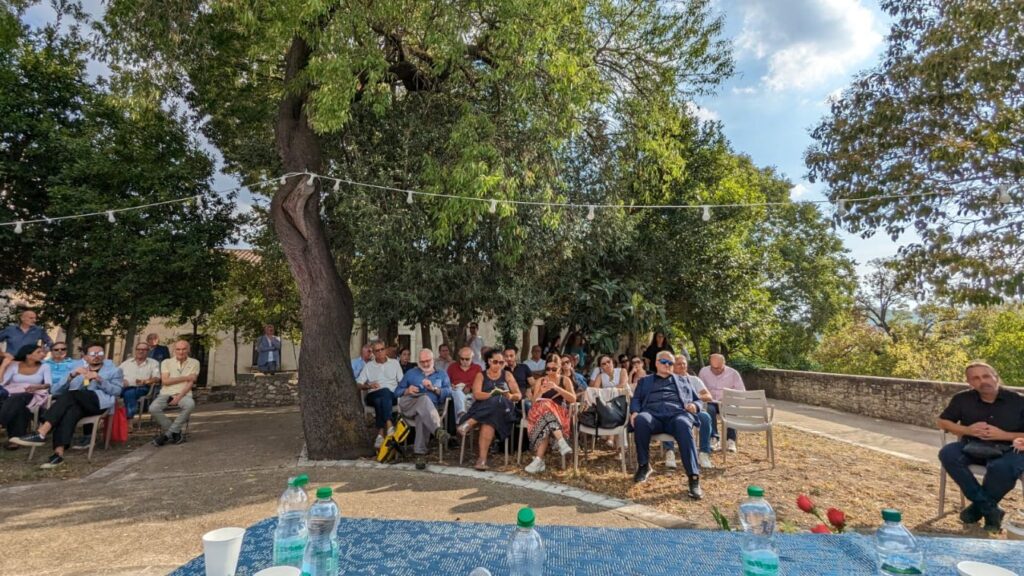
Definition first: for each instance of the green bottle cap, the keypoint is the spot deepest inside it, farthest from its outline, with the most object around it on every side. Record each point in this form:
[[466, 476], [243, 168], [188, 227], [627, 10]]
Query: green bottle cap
[[301, 480], [526, 518], [755, 491], [891, 515], [324, 492]]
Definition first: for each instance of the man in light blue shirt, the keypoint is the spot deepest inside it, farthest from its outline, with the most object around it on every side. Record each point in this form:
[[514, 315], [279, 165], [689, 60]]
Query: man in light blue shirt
[[60, 367], [24, 333], [93, 389], [359, 363], [421, 392]]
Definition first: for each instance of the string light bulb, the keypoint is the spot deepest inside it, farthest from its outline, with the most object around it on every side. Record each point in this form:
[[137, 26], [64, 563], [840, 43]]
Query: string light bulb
[[110, 216], [284, 180], [841, 208], [337, 185], [311, 181], [707, 214], [17, 227], [494, 206], [408, 198], [590, 213], [1004, 194]]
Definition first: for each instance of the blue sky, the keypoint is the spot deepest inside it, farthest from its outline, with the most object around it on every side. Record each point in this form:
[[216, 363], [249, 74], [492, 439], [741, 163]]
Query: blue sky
[[791, 57]]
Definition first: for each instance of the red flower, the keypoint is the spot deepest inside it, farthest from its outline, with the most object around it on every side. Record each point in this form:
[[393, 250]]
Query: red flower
[[821, 529], [804, 503], [836, 517]]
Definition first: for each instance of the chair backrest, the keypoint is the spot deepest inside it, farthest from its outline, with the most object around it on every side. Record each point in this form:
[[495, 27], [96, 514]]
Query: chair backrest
[[749, 406]]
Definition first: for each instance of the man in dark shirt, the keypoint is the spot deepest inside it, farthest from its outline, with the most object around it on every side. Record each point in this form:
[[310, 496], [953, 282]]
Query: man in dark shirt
[[158, 351], [663, 404], [519, 371], [25, 332], [993, 415]]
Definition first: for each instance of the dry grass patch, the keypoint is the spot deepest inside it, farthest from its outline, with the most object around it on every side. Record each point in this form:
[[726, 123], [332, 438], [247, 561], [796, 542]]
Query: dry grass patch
[[16, 469], [857, 480]]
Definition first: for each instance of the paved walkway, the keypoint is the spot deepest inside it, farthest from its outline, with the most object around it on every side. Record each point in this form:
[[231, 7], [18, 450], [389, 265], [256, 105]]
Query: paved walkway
[[143, 514], [904, 440]]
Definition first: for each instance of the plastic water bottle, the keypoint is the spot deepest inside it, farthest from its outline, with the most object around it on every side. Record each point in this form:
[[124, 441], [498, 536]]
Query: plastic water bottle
[[898, 552], [758, 548], [290, 534], [321, 558], [526, 550]]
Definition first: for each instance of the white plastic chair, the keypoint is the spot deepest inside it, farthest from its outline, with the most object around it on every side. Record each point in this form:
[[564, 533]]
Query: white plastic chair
[[748, 411], [618, 432], [106, 420], [976, 469]]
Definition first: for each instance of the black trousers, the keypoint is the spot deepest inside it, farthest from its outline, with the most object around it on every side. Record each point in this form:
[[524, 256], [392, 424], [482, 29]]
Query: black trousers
[[67, 410], [14, 414]]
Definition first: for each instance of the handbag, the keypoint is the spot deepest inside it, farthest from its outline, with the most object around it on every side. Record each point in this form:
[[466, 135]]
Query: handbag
[[985, 449], [587, 418], [611, 413], [119, 427]]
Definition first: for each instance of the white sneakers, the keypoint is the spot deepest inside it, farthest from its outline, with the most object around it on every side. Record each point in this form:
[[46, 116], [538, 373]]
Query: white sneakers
[[536, 466], [716, 445], [704, 459], [563, 447], [391, 430], [378, 442], [670, 459], [732, 445]]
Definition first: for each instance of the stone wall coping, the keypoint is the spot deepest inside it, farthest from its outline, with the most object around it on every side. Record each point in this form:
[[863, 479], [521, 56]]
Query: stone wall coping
[[879, 379]]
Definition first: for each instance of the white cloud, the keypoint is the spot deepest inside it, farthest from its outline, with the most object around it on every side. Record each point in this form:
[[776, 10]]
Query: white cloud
[[703, 114], [798, 190], [744, 91], [805, 43]]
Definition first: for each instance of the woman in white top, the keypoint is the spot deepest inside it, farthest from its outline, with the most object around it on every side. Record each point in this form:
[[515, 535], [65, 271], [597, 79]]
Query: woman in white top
[[28, 382], [607, 375]]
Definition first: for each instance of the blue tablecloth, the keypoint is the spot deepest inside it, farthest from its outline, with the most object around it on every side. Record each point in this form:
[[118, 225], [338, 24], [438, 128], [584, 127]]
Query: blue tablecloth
[[406, 548]]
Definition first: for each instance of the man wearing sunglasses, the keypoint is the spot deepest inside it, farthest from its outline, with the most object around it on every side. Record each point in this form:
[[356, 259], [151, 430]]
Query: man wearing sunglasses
[[379, 379], [664, 404], [703, 417]]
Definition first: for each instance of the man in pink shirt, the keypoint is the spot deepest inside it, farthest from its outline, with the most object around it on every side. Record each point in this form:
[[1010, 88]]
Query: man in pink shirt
[[717, 377]]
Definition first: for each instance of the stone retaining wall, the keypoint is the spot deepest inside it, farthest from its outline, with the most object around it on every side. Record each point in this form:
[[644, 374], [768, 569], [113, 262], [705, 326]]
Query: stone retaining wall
[[265, 390], [911, 401]]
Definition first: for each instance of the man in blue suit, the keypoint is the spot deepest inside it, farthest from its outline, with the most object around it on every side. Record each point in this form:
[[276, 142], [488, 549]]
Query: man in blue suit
[[663, 404]]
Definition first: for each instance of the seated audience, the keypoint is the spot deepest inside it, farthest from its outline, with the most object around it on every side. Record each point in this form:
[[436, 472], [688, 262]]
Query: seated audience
[[157, 351], [718, 377], [27, 382], [476, 344], [462, 375], [379, 379], [519, 371], [139, 373], [92, 391], [421, 393], [703, 417], [177, 377], [60, 367], [636, 370], [575, 345], [551, 396], [989, 421], [495, 392], [663, 404], [607, 375], [365, 355], [269, 349], [405, 360]]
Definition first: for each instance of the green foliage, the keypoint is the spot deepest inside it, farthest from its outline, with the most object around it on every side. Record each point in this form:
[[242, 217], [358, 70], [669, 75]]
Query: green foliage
[[941, 117], [70, 147], [997, 336]]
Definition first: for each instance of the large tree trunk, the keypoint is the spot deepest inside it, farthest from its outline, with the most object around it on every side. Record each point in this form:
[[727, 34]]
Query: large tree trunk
[[70, 333], [332, 416], [234, 343], [129, 342]]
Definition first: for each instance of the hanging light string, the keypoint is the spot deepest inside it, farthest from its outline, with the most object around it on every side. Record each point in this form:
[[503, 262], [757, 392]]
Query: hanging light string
[[841, 204], [109, 213]]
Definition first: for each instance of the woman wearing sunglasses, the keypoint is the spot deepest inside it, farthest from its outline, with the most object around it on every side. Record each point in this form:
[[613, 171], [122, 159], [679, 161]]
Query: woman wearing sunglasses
[[551, 394], [495, 393], [608, 375]]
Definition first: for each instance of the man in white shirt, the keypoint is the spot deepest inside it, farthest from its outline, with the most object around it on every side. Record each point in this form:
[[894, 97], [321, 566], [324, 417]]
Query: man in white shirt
[[476, 343], [140, 372], [718, 377], [378, 379], [536, 363]]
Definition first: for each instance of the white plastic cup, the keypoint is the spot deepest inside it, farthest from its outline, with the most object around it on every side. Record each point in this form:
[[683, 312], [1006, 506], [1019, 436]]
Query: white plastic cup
[[221, 548], [279, 571]]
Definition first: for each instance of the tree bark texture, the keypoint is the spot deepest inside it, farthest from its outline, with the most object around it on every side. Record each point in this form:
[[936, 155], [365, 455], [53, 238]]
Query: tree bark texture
[[332, 415], [424, 338]]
